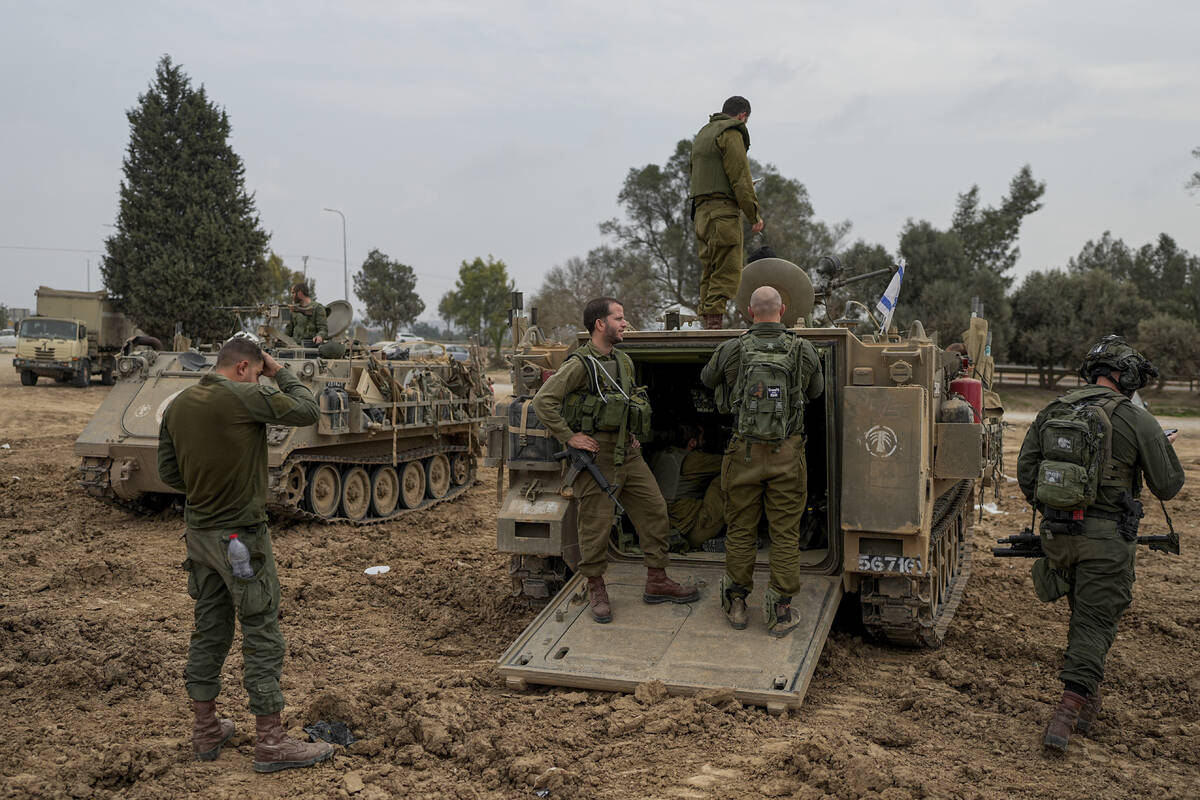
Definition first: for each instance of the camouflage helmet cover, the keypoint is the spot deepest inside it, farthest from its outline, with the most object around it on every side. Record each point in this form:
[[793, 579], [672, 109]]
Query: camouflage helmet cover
[[1114, 352]]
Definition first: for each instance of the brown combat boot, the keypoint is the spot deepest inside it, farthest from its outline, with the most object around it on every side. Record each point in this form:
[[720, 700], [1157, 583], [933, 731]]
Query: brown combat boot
[[208, 732], [1058, 729], [275, 750], [784, 620], [1092, 704], [712, 322], [661, 589], [598, 600]]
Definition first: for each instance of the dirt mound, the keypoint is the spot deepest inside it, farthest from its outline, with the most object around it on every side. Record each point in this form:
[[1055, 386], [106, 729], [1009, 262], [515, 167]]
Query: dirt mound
[[94, 622]]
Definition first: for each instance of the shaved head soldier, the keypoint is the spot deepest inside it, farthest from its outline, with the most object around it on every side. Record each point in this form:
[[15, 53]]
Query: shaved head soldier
[[721, 190]]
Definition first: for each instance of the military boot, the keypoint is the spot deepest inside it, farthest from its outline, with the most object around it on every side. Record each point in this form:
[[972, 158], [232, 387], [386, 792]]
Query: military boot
[[1087, 715], [1058, 729], [598, 600], [208, 732], [275, 750], [661, 589], [733, 601], [712, 322], [779, 615]]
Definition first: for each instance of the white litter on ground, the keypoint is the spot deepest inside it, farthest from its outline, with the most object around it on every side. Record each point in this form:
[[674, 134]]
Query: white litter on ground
[[378, 570], [992, 508]]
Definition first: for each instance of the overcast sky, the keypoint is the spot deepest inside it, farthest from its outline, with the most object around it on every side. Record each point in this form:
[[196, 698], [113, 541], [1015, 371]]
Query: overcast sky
[[449, 130]]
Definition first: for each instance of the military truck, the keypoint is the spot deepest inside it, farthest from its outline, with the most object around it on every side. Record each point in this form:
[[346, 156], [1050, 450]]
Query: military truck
[[896, 455], [393, 436], [73, 336]]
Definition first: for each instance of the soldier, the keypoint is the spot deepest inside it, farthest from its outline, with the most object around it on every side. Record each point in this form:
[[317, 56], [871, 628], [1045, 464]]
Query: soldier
[[696, 509], [591, 404], [308, 317], [1087, 494], [720, 188], [213, 448], [764, 378]]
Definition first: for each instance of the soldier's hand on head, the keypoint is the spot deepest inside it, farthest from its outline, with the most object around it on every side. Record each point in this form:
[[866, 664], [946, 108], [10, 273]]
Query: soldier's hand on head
[[581, 441], [270, 365], [757, 227], [318, 338]]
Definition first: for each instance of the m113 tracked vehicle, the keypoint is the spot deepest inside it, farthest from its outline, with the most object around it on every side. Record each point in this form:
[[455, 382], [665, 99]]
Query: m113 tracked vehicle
[[900, 444], [393, 435]]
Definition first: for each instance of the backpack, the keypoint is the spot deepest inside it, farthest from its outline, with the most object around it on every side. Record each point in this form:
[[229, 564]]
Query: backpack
[[1076, 437], [764, 400]]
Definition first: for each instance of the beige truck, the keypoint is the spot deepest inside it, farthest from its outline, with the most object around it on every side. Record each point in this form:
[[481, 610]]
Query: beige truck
[[73, 336]]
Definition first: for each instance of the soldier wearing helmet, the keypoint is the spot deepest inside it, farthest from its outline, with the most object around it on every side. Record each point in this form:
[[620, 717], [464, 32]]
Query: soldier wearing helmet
[[1090, 548]]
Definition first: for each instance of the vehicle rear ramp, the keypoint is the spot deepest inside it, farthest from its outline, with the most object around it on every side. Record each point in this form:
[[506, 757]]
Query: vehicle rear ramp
[[689, 648]]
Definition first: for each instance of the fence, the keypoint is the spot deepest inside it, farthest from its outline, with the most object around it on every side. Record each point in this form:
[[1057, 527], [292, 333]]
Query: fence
[[1026, 375]]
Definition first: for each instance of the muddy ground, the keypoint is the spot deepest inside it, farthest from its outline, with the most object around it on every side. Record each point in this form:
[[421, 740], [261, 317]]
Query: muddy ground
[[94, 620]]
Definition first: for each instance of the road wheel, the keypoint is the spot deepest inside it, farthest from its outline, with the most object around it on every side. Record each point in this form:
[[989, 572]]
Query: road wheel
[[293, 486], [28, 377], [437, 473], [412, 484], [324, 492], [385, 491], [83, 378], [356, 493], [460, 468]]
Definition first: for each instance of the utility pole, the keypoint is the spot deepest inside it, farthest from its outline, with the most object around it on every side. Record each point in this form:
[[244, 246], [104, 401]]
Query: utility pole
[[345, 263], [305, 260]]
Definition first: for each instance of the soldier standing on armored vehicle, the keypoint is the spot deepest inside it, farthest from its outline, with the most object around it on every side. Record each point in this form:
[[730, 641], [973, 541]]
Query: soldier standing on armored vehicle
[[308, 317], [764, 378], [590, 403], [213, 448], [1081, 465], [721, 190]]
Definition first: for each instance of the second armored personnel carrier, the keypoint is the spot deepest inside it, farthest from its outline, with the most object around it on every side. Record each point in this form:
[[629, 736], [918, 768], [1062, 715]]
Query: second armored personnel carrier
[[392, 436], [898, 448]]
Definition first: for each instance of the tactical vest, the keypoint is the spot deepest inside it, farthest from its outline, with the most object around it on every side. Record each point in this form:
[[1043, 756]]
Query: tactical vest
[[1076, 433], [304, 326], [610, 402], [708, 168], [765, 399]]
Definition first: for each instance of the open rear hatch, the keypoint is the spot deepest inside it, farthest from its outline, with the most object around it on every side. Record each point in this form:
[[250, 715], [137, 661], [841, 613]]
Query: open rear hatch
[[690, 648]]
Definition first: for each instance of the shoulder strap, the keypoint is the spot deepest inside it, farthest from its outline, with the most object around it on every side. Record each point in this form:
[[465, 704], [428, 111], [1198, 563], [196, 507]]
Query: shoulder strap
[[1111, 473]]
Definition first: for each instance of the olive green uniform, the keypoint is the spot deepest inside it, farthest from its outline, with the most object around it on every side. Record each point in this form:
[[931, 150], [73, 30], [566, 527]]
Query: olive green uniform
[[619, 461], [1094, 568], [721, 189], [308, 326], [698, 509], [770, 475], [213, 447]]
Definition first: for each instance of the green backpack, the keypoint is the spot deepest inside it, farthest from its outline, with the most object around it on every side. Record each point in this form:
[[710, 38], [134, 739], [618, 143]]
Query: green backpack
[[763, 397], [1076, 439]]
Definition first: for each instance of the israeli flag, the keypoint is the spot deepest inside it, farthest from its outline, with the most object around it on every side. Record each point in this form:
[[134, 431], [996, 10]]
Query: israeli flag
[[887, 304]]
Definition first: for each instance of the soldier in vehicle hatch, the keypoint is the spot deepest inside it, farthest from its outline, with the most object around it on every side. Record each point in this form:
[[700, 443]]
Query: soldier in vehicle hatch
[[591, 404], [213, 448], [764, 378], [720, 191], [308, 317], [1081, 465]]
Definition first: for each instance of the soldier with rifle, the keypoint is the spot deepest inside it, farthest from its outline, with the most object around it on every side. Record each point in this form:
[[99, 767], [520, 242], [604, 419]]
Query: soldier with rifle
[[1082, 465], [590, 404]]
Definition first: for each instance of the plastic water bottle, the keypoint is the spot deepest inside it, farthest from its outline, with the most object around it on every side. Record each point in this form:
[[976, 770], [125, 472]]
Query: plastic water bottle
[[239, 558]]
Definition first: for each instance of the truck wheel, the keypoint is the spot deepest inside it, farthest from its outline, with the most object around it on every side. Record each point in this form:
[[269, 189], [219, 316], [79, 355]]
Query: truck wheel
[[83, 378], [106, 376], [28, 377]]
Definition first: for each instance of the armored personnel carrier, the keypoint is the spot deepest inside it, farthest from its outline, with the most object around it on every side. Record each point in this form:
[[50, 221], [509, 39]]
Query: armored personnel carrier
[[393, 436], [898, 447]]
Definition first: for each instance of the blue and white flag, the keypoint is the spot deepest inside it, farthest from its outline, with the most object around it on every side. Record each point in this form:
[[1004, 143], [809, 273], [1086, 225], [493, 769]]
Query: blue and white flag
[[887, 304]]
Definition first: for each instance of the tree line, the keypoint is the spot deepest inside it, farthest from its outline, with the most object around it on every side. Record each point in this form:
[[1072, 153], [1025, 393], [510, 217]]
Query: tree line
[[188, 240]]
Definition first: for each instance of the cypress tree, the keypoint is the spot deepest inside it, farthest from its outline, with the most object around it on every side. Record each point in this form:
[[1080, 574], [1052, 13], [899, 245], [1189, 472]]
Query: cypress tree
[[188, 237]]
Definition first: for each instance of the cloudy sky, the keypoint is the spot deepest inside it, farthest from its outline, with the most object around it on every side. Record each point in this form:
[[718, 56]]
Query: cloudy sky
[[447, 130]]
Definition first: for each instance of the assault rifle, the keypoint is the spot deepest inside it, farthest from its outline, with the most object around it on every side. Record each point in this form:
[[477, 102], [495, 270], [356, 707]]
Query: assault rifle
[[1028, 544], [579, 460]]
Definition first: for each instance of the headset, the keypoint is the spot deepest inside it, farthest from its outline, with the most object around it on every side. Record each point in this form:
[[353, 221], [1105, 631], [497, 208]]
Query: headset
[[1114, 352]]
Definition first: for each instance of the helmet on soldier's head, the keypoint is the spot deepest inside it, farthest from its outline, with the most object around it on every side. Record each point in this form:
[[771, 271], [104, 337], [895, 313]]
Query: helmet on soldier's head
[[1112, 352]]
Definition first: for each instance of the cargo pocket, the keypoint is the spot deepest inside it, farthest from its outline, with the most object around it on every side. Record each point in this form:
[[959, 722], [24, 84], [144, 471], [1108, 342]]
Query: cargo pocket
[[193, 588], [1048, 583], [257, 595], [723, 231]]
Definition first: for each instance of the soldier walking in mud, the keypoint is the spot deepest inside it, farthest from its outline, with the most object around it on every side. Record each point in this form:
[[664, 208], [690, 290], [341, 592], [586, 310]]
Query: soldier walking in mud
[[213, 448], [720, 191], [1081, 465], [591, 404], [764, 378]]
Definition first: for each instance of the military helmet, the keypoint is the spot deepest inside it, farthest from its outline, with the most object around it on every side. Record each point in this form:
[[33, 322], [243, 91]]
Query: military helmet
[[1114, 352]]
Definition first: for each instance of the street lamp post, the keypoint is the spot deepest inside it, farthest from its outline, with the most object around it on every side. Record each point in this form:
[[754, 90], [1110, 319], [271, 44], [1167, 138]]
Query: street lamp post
[[345, 263]]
